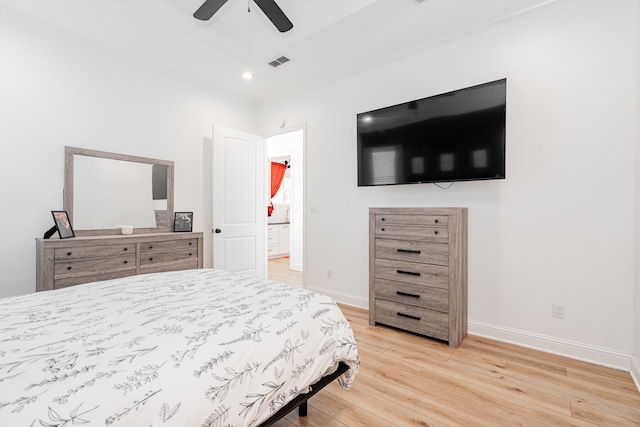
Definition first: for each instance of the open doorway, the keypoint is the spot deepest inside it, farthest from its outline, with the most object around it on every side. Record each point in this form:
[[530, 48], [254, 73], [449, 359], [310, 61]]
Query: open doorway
[[285, 232]]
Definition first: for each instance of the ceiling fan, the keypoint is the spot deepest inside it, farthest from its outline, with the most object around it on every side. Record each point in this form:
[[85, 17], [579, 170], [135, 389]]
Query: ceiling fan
[[269, 7]]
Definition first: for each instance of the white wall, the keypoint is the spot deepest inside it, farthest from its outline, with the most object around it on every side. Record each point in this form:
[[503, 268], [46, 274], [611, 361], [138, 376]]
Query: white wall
[[58, 89], [557, 230]]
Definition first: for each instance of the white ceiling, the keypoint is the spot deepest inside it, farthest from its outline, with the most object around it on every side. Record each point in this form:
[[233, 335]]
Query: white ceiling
[[330, 38]]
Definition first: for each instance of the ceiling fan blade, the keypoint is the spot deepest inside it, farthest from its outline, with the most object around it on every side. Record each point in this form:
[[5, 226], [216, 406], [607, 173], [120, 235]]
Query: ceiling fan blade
[[208, 9], [275, 14]]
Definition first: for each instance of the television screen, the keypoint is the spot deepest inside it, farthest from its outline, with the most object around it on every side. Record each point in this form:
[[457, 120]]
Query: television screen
[[454, 136]]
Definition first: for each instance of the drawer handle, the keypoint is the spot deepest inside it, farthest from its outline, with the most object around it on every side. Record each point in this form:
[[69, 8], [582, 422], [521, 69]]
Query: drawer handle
[[190, 243], [436, 232], [126, 249], [69, 253], [151, 259], [150, 247], [437, 221], [411, 273], [404, 294], [125, 261], [68, 267], [190, 254], [381, 219], [382, 229], [408, 316], [409, 251]]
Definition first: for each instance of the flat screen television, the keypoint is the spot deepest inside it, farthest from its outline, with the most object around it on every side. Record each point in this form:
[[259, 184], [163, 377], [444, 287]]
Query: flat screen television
[[454, 136]]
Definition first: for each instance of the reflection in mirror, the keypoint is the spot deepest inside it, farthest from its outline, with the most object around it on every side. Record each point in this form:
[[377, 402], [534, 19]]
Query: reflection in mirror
[[110, 193], [104, 191]]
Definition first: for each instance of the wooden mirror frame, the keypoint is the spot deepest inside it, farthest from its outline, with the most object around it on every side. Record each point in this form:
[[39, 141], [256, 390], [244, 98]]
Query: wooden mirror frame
[[69, 155]]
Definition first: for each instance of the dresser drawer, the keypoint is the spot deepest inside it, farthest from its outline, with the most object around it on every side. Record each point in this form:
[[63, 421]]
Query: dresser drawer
[[173, 266], [420, 296], [435, 276], [413, 251], [80, 252], [433, 234], [411, 318], [88, 266], [70, 281], [165, 257], [403, 219], [168, 245]]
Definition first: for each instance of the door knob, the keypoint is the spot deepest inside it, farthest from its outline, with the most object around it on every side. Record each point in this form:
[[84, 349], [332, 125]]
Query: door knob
[[218, 231]]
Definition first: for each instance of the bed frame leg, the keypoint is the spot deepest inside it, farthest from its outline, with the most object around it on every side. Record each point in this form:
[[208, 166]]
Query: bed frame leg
[[302, 409]]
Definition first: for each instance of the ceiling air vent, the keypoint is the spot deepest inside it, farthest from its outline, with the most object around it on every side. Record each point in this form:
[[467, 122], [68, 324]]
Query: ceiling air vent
[[278, 61]]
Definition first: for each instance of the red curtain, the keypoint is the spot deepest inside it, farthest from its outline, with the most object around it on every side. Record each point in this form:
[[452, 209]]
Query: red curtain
[[277, 175]]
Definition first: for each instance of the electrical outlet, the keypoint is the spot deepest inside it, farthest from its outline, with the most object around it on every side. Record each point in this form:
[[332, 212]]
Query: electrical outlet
[[558, 311], [329, 274]]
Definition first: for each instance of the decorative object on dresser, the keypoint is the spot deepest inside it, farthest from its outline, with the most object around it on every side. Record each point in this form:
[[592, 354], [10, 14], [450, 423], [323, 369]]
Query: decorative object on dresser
[[62, 263], [61, 224], [418, 271], [183, 222]]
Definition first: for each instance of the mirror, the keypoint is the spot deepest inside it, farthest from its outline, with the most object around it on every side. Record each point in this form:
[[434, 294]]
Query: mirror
[[104, 191]]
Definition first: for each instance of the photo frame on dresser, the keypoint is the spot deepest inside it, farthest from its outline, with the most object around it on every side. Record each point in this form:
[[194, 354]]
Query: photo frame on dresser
[[63, 224], [183, 222]]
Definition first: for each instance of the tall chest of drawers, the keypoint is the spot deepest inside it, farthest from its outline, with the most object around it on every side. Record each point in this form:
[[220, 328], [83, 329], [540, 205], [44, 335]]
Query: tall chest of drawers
[[68, 262], [418, 271]]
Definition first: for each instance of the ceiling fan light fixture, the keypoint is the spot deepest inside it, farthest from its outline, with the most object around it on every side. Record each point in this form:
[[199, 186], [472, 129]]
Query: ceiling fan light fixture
[[269, 7]]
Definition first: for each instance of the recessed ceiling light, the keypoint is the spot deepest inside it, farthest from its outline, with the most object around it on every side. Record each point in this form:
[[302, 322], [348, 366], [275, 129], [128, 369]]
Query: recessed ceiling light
[[247, 75]]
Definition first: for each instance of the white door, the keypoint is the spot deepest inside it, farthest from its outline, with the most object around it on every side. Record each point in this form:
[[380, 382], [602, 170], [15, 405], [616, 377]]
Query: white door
[[239, 202]]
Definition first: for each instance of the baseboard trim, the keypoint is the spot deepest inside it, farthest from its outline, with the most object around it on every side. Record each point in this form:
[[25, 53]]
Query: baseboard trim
[[574, 350], [339, 297], [635, 370]]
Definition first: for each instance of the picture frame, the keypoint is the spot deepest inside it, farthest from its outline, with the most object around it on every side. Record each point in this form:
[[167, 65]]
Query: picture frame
[[183, 222], [63, 224]]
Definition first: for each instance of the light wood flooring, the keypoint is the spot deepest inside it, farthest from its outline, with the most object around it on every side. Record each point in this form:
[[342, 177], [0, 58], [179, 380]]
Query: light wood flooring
[[279, 270], [407, 380]]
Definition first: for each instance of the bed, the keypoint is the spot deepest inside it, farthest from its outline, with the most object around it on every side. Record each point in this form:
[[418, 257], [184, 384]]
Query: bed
[[190, 348]]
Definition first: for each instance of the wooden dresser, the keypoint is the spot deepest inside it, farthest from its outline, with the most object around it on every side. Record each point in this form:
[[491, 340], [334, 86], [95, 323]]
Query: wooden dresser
[[418, 271], [68, 262]]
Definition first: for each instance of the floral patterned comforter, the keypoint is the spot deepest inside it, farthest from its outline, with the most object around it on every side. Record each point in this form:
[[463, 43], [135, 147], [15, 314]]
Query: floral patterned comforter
[[191, 348]]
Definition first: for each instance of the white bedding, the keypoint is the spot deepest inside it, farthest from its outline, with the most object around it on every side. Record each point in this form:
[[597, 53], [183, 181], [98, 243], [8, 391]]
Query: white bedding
[[191, 348]]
